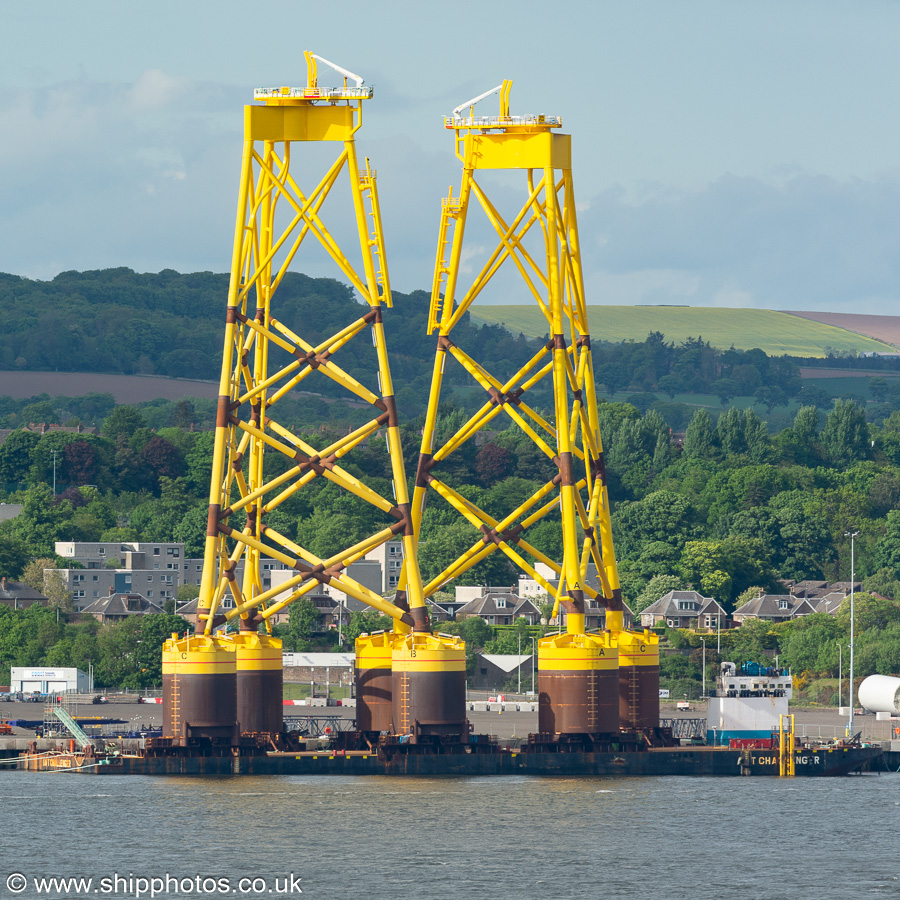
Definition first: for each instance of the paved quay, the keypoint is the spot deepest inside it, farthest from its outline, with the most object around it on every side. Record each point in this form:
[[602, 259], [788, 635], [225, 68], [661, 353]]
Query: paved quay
[[505, 724]]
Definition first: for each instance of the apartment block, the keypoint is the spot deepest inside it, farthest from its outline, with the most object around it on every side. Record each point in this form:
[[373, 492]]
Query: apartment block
[[390, 556]]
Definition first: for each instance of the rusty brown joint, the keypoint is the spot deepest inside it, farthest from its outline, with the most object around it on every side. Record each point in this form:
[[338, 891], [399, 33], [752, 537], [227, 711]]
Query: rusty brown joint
[[423, 470], [212, 520], [573, 604], [223, 408], [401, 601], [420, 621], [391, 409], [566, 470], [601, 468], [512, 535], [405, 509]]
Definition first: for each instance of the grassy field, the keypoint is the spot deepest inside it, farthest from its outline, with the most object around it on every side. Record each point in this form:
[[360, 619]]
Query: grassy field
[[294, 691], [773, 332]]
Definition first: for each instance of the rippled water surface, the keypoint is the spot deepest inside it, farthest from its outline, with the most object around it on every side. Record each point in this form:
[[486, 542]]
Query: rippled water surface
[[498, 839]]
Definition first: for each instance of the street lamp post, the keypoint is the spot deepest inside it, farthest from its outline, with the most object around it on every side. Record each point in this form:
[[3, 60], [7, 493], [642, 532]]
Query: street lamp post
[[519, 666], [851, 535], [840, 676], [703, 641]]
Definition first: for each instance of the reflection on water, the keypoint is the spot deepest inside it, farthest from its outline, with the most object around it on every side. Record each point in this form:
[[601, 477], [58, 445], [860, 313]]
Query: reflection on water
[[491, 838]]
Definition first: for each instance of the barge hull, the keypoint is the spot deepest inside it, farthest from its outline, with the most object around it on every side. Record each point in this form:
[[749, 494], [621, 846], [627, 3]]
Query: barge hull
[[662, 762]]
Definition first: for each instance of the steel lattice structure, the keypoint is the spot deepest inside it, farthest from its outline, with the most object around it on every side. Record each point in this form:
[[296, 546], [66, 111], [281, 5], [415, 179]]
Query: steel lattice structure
[[264, 359], [553, 280]]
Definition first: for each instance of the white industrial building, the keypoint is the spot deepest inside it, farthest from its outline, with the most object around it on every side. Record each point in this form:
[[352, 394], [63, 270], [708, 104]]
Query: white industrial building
[[48, 681]]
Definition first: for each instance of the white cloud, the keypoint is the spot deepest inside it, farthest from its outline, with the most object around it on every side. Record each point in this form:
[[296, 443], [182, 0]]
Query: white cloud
[[114, 174], [144, 174], [801, 242], [154, 89]]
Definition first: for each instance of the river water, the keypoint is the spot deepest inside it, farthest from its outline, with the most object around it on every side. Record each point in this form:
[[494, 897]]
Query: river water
[[492, 838]]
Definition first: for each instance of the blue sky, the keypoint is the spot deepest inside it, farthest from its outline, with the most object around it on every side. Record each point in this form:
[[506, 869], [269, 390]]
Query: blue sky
[[725, 153]]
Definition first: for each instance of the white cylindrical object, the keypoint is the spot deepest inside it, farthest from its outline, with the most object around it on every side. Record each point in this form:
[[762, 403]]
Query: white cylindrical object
[[880, 693]]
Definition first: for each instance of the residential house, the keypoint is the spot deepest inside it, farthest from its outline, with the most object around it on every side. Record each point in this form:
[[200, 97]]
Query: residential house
[[816, 589], [18, 595], [830, 603], [774, 608], [805, 597], [685, 609], [500, 606], [118, 607]]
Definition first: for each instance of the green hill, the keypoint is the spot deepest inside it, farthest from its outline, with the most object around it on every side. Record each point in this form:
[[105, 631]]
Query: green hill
[[773, 332]]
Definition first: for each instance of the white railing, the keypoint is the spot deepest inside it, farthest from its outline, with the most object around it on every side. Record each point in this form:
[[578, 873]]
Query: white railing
[[501, 121], [308, 93]]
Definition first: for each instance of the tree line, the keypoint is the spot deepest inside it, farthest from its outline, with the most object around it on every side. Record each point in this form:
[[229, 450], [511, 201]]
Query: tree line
[[171, 324], [733, 508]]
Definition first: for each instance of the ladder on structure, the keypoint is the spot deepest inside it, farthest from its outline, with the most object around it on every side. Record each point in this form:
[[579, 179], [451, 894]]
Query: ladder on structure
[[786, 760], [450, 209], [406, 725], [175, 708], [369, 189], [634, 698], [74, 729]]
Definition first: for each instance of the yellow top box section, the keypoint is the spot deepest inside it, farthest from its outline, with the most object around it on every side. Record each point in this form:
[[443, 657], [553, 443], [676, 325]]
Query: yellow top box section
[[512, 150], [298, 123]]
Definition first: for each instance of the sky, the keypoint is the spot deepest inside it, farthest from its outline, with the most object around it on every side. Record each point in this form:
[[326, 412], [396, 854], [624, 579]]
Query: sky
[[741, 153]]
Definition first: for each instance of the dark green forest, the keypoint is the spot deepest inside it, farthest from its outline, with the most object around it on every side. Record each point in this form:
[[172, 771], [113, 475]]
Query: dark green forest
[[171, 324]]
